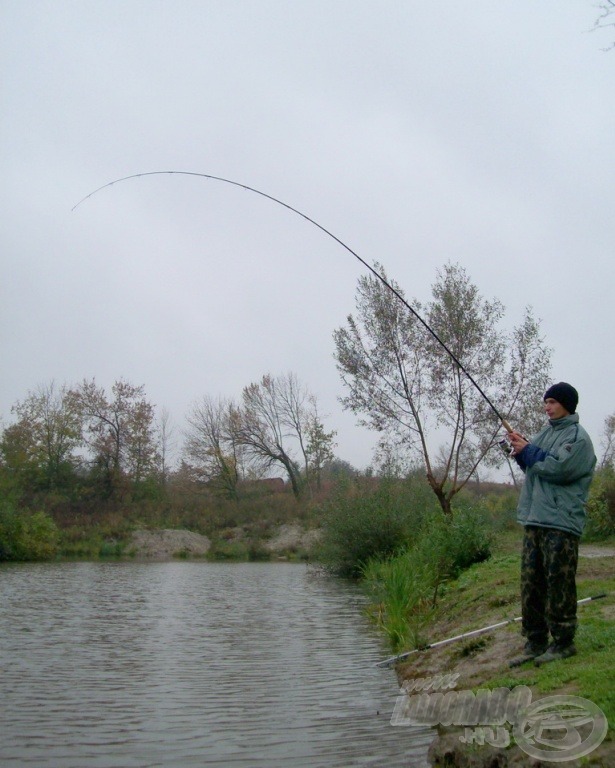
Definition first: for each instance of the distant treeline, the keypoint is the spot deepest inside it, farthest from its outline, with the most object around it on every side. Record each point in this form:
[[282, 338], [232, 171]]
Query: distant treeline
[[80, 442]]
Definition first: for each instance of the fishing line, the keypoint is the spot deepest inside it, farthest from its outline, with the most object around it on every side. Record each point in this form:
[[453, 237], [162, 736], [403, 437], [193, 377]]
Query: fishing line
[[374, 272]]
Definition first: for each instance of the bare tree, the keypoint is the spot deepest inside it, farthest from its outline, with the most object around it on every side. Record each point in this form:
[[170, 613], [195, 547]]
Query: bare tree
[[212, 444], [273, 426], [166, 445], [608, 442], [606, 18], [402, 383]]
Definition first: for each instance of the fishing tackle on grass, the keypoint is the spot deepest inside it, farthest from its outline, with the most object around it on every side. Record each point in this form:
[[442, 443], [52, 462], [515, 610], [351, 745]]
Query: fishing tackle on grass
[[396, 293], [400, 657]]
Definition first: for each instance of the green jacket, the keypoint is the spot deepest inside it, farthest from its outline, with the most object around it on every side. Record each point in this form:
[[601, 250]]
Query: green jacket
[[558, 464]]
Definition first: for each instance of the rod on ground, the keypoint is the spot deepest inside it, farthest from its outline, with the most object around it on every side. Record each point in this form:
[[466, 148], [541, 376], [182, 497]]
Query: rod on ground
[[400, 657]]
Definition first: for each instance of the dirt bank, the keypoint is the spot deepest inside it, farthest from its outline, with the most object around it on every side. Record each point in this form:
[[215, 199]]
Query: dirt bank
[[292, 538], [166, 543]]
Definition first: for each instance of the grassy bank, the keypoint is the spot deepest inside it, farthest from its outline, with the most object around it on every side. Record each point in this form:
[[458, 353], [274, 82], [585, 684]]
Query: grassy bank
[[488, 593]]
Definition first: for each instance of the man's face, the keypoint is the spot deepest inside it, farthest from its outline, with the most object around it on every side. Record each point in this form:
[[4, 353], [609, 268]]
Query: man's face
[[555, 410]]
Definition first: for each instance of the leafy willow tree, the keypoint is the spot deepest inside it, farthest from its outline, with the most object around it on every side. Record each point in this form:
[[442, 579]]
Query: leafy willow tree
[[40, 447], [403, 384]]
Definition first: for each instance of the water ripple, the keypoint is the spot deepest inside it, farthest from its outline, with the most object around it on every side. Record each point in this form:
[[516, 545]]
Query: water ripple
[[192, 664]]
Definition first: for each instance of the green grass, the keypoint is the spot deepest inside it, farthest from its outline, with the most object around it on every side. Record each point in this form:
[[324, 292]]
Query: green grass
[[486, 590], [589, 674], [401, 598], [489, 592]]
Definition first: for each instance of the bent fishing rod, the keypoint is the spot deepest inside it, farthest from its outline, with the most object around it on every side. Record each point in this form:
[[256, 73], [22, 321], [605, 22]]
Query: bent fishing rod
[[400, 657], [374, 272]]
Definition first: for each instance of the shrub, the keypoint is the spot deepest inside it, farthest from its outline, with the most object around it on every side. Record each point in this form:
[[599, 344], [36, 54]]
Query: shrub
[[222, 549], [448, 545], [405, 586], [501, 506], [26, 535], [369, 522], [111, 548], [601, 505]]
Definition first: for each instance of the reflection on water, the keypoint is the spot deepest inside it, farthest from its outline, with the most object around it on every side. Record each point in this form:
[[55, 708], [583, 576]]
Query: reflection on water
[[192, 664]]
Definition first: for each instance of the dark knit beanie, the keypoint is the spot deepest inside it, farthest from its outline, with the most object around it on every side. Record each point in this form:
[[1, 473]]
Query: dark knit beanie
[[565, 394]]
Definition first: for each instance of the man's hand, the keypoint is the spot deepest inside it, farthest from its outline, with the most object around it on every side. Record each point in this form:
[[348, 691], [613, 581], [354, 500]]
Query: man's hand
[[517, 441]]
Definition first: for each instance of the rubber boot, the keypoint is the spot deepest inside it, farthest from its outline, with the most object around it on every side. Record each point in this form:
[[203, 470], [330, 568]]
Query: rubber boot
[[530, 651], [555, 652]]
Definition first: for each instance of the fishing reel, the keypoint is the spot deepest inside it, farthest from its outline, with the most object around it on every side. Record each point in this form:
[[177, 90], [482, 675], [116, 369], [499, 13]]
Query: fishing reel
[[506, 447]]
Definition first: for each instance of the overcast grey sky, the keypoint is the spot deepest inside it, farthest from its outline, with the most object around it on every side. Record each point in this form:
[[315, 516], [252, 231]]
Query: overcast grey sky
[[418, 132]]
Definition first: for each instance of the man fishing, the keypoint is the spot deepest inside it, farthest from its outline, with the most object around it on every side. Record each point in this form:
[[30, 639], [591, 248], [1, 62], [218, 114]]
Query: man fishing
[[558, 464]]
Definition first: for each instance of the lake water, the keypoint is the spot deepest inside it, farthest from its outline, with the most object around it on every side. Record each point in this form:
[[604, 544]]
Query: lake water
[[193, 664]]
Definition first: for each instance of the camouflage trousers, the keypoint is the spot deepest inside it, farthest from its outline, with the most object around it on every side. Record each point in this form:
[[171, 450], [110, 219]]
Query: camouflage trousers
[[548, 585]]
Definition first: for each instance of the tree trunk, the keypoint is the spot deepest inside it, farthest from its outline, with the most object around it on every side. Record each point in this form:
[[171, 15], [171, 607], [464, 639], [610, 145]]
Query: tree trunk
[[444, 499]]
